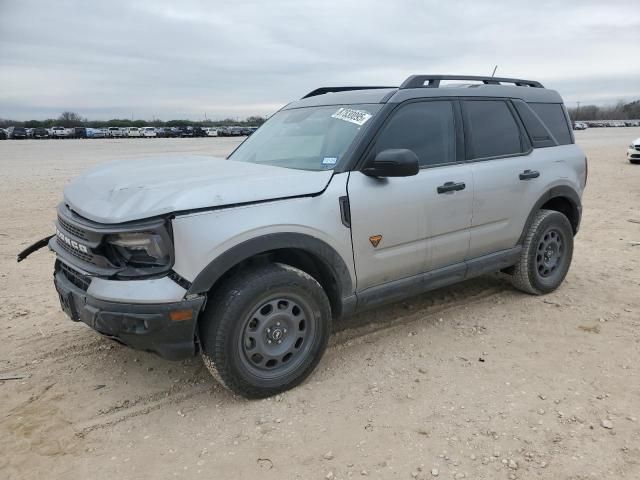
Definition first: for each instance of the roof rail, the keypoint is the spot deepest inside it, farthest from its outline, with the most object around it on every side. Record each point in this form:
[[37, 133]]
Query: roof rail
[[323, 90], [433, 81]]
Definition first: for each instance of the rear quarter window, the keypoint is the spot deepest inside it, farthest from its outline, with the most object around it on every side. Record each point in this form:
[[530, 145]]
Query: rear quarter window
[[552, 114]]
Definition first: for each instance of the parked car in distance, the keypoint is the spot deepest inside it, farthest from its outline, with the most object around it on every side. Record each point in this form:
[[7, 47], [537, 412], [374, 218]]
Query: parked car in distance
[[249, 259], [164, 132], [199, 132], [79, 132], [17, 133], [95, 133], [117, 132], [40, 132], [185, 131], [134, 132], [61, 132], [633, 152], [148, 132]]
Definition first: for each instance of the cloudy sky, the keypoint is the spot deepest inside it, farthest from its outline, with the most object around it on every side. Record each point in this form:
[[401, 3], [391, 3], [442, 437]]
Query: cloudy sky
[[185, 59]]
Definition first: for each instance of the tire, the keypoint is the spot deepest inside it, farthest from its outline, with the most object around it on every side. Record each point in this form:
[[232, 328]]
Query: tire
[[546, 254], [265, 330]]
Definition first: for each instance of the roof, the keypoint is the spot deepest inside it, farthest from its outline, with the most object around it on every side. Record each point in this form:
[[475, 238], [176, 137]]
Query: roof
[[428, 86]]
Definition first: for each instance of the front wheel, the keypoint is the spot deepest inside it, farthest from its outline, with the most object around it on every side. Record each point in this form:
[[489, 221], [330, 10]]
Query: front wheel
[[265, 330], [546, 254]]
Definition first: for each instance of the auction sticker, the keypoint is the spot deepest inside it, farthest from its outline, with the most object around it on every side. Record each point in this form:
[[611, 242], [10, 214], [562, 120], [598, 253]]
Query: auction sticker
[[359, 117]]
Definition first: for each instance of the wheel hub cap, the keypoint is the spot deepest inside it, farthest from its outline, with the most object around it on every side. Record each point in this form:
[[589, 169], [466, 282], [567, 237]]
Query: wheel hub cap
[[276, 334], [550, 252]]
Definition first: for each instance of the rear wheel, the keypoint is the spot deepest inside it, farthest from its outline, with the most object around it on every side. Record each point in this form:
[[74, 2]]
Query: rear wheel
[[546, 254], [265, 330]]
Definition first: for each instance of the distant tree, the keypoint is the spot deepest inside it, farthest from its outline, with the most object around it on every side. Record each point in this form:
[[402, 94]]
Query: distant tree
[[71, 119]]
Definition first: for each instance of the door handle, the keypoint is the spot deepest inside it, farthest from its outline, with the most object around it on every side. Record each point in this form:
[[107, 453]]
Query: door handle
[[529, 174], [451, 187]]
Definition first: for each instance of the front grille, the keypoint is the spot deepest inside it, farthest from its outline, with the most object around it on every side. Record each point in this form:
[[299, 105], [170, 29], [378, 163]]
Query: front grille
[[78, 232], [76, 253], [78, 279]]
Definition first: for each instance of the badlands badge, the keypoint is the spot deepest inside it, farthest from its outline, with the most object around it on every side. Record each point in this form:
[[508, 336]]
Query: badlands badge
[[375, 240]]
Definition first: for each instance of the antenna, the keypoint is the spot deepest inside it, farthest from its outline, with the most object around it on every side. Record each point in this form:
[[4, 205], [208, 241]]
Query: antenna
[[494, 70]]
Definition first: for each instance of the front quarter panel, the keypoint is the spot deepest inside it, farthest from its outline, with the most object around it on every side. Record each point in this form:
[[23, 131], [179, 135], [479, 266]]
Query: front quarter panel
[[202, 237]]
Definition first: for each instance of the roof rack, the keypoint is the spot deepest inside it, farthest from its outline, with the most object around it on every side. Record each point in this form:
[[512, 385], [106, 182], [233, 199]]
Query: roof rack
[[433, 81], [323, 90]]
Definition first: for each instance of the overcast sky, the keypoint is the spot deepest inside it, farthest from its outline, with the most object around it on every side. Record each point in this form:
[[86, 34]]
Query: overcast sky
[[182, 59]]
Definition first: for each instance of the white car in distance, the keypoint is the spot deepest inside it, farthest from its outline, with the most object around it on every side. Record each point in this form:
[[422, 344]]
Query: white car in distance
[[134, 132], [148, 132]]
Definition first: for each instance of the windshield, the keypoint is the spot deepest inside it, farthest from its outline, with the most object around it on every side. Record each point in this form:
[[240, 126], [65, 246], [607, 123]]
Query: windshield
[[311, 138]]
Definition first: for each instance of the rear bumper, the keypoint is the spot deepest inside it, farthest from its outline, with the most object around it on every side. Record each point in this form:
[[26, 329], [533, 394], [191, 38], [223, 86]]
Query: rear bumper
[[140, 326]]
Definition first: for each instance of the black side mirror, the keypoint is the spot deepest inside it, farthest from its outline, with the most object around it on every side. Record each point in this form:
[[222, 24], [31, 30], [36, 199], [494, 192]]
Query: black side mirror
[[394, 162]]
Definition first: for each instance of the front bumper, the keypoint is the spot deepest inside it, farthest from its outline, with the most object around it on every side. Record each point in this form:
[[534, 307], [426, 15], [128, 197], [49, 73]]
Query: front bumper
[[140, 326]]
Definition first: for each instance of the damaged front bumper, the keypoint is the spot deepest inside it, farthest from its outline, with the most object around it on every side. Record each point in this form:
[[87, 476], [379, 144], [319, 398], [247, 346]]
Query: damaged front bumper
[[168, 329]]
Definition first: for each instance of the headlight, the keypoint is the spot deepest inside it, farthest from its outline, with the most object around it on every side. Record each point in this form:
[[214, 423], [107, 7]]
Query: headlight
[[141, 249]]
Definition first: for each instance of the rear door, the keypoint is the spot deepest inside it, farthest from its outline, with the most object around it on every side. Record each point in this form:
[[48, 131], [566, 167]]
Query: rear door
[[402, 227], [503, 172]]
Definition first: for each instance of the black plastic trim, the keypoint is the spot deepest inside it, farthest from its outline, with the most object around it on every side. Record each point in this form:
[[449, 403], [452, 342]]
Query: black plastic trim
[[323, 90], [441, 277], [275, 241], [561, 191], [140, 326], [418, 81]]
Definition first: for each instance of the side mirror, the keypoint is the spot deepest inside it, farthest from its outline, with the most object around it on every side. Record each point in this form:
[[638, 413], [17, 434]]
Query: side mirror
[[395, 162]]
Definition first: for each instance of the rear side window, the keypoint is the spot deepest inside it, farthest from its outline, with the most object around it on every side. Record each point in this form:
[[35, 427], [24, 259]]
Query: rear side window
[[426, 128], [553, 116], [491, 129], [538, 133]]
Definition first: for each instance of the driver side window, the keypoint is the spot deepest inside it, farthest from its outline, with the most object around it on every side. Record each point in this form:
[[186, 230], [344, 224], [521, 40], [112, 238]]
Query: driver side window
[[426, 128]]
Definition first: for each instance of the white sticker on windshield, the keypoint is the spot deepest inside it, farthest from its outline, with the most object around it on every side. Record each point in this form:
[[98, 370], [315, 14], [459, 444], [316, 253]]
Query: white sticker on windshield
[[359, 117]]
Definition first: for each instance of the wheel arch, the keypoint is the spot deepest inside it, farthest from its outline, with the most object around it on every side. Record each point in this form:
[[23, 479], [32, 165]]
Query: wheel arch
[[301, 251], [563, 199]]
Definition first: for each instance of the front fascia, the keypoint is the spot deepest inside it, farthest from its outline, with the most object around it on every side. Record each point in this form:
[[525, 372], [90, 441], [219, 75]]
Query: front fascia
[[200, 238]]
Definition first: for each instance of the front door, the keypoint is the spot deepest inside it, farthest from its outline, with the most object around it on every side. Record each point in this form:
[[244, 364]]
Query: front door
[[402, 227]]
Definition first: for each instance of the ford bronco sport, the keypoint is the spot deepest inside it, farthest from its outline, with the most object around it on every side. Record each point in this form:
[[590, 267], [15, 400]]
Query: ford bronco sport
[[346, 199]]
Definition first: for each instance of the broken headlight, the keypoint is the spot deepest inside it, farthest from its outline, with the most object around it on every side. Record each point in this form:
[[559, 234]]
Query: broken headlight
[[141, 250]]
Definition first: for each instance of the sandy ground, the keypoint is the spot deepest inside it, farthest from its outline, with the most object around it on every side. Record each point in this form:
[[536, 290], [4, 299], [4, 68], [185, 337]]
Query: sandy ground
[[476, 381]]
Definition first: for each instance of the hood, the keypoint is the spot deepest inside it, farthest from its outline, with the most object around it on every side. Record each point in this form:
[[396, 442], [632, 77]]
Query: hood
[[127, 190]]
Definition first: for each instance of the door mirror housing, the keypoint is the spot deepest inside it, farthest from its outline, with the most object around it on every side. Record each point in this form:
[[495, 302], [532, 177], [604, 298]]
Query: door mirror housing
[[394, 162]]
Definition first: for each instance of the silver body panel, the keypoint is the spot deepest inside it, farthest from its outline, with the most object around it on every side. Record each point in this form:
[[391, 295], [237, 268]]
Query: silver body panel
[[202, 237], [128, 190]]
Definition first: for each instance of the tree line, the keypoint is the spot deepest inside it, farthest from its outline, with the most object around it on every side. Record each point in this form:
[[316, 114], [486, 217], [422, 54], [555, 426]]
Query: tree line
[[73, 119], [619, 111]]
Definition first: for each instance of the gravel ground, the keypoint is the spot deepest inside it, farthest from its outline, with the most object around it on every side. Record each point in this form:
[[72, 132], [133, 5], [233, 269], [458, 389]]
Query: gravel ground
[[474, 381]]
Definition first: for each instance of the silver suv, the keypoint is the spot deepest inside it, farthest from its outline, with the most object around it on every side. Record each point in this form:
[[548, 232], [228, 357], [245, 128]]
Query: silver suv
[[344, 200]]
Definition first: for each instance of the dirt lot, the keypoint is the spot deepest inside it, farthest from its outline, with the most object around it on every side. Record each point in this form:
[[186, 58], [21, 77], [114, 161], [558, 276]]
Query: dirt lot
[[477, 381]]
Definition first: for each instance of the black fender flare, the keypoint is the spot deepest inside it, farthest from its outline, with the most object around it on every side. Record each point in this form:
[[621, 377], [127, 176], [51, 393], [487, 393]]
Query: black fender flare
[[274, 241], [554, 192]]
